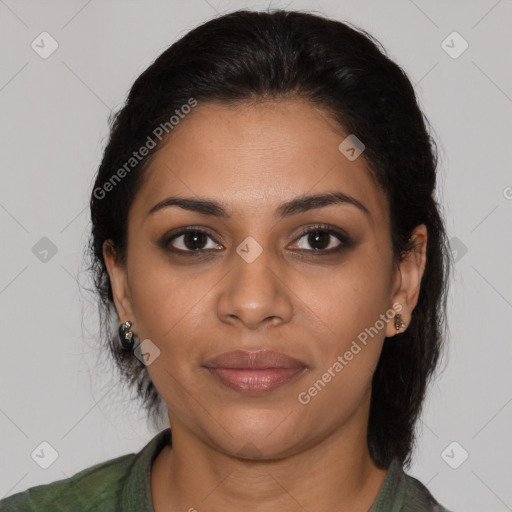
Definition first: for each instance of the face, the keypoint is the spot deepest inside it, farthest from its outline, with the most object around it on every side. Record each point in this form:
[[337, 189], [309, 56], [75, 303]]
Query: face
[[262, 269]]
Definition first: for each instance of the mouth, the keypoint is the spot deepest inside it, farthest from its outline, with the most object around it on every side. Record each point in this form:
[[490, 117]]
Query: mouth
[[254, 372]]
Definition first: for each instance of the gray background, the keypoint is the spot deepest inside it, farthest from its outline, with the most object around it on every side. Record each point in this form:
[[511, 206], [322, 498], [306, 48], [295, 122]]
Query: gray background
[[55, 384]]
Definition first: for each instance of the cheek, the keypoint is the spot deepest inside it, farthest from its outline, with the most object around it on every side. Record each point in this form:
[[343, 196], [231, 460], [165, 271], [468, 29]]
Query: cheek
[[347, 359], [161, 294], [353, 306], [173, 307], [351, 298]]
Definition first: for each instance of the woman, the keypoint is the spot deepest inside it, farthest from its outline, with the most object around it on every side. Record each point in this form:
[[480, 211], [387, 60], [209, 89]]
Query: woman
[[265, 233]]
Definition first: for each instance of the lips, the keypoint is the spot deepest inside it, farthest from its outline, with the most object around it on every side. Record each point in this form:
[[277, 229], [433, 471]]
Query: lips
[[254, 372]]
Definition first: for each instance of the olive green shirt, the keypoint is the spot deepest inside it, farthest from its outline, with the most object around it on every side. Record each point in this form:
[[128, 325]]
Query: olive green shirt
[[124, 484]]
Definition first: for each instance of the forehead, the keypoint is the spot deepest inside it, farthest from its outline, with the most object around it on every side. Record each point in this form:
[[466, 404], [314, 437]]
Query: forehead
[[252, 157]]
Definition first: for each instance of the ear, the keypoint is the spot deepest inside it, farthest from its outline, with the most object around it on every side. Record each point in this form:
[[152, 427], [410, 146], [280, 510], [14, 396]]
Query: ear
[[408, 276], [119, 282]]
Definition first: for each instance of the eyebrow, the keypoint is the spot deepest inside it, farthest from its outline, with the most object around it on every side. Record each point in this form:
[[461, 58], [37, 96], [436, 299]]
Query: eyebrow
[[295, 206]]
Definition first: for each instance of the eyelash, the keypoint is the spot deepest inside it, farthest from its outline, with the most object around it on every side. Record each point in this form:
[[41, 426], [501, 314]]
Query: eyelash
[[343, 238]]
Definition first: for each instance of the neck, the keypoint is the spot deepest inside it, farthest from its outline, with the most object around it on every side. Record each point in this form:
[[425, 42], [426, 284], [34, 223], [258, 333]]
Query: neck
[[335, 473]]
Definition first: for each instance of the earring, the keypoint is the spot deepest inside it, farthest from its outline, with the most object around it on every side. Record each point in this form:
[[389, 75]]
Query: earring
[[399, 323], [126, 336]]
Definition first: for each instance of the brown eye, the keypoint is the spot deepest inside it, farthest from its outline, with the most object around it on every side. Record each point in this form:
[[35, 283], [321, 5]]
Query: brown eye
[[191, 240], [321, 239], [194, 241]]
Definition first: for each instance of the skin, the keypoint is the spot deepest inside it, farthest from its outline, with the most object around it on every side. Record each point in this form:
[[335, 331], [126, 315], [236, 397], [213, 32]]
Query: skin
[[251, 158]]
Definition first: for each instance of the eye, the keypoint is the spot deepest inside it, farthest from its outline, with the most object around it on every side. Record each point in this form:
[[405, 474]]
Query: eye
[[191, 240], [322, 239]]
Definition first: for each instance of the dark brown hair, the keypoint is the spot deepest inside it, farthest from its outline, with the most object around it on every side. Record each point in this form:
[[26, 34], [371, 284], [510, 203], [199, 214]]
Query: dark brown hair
[[247, 56]]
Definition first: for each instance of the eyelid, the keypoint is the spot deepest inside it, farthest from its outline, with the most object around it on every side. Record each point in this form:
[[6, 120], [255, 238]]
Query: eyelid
[[341, 233]]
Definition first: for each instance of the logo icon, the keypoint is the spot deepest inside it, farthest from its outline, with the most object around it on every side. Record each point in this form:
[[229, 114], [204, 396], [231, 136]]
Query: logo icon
[[44, 455], [351, 147], [249, 249], [146, 352], [458, 248], [454, 45], [454, 455], [44, 250], [44, 45]]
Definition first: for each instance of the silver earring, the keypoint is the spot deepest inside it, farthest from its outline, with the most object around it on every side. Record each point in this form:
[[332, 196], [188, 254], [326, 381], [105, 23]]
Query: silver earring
[[126, 336], [399, 323]]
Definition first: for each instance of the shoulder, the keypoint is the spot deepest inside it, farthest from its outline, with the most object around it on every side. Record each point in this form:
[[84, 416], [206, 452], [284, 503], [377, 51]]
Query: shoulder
[[95, 488], [401, 492], [417, 498], [121, 484]]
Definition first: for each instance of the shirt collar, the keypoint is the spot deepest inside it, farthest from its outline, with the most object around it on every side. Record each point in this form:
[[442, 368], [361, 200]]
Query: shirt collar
[[136, 491]]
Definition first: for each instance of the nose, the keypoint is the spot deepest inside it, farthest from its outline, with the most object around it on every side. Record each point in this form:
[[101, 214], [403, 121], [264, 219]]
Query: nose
[[255, 293]]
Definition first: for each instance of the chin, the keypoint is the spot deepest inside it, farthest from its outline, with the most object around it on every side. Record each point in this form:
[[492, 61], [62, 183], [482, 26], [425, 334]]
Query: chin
[[255, 434]]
